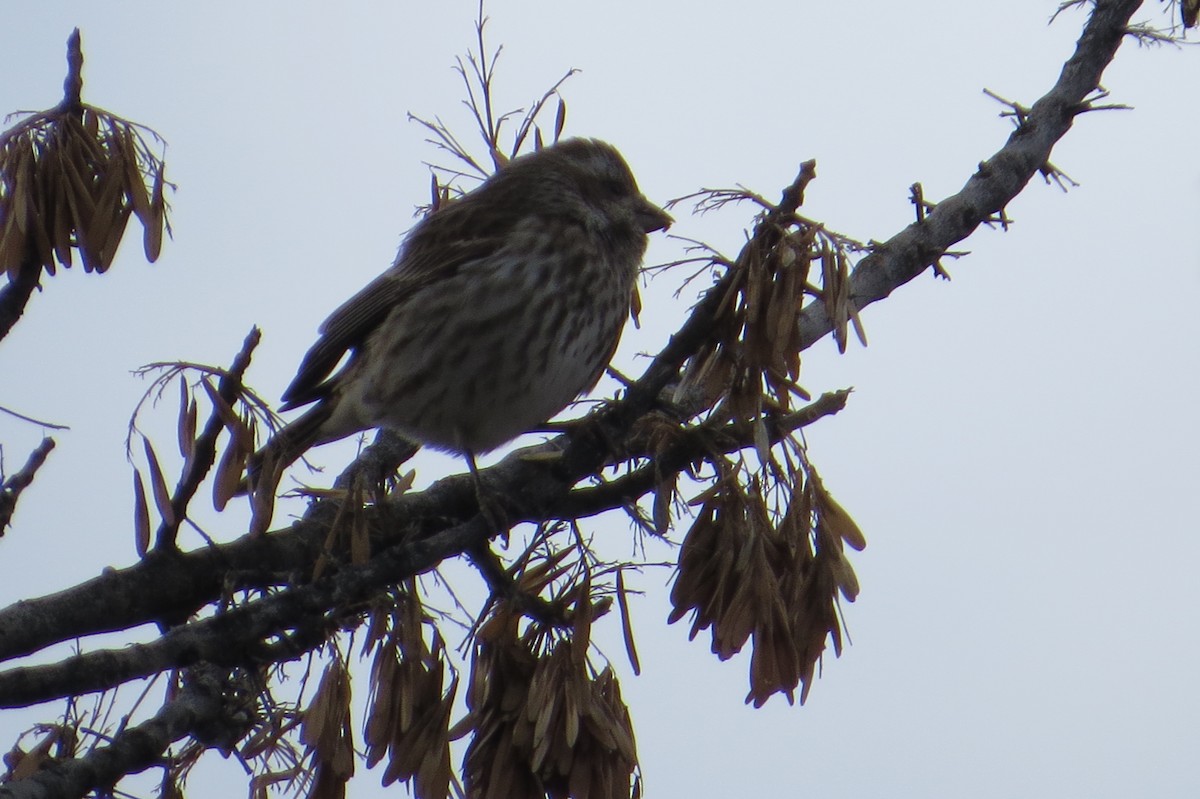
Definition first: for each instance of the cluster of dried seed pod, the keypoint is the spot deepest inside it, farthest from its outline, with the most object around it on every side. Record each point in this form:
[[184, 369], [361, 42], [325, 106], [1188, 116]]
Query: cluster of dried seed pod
[[326, 733], [764, 557], [408, 715], [544, 722], [235, 410], [746, 571], [70, 179], [751, 360]]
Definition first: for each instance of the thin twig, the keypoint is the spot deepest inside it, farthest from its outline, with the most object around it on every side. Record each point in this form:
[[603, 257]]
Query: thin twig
[[31, 420]]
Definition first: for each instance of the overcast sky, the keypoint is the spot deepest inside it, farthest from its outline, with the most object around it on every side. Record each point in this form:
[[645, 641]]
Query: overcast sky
[[1020, 448]]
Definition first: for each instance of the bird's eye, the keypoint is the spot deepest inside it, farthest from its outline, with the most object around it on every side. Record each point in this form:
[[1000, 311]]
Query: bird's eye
[[614, 187]]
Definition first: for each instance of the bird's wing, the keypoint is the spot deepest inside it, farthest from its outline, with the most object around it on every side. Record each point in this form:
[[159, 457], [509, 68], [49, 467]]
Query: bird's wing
[[348, 327]]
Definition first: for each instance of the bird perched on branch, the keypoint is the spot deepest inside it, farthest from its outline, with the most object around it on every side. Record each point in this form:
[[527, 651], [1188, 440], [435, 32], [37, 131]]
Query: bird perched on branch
[[500, 309]]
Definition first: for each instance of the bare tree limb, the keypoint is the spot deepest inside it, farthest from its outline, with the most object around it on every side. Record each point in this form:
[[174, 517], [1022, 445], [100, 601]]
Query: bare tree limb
[[10, 489], [200, 705], [15, 295], [998, 179]]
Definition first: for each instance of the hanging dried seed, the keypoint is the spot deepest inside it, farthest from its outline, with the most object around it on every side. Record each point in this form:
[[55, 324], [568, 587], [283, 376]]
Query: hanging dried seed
[[141, 516], [158, 485]]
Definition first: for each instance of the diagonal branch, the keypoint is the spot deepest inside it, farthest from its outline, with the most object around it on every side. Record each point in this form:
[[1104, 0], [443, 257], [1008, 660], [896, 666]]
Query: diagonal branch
[[692, 446], [16, 293], [282, 625], [10, 489], [998, 179], [198, 706]]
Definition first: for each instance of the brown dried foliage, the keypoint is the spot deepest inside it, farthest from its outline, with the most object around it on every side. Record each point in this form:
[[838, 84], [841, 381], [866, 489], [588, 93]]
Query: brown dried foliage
[[543, 721], [763, 561], [70, 178], [750, 364], [748, 571], [408, 713], [326, 733], [234, 410]]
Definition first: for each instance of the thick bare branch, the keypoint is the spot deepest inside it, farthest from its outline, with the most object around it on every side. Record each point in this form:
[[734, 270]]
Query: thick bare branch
[[16, 293], [198, 706]]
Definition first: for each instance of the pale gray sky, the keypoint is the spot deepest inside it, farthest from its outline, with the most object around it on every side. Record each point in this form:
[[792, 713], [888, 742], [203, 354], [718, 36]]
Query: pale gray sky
[[1020, 449]]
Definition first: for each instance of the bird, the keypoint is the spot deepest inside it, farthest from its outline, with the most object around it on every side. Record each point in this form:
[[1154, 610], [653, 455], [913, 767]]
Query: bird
[[500, 309]]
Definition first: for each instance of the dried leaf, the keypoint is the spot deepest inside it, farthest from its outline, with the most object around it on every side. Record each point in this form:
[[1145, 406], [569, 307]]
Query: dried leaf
[[106, 223], [233, 423], [560, 119], [847, 580], [404, 482], [21, 198], [381, 708], [664, 494], [627, 624], [141, 516], [321, 712], [115, 232], [582, 632], [58, 187], [185, 428], [113, 212], [536, 577], [839, 522], [77, 184], [262, 506], [12, 247], [762, 441], [158, 484], [135, 182], [152, 238], [227, 482], [857, 322]]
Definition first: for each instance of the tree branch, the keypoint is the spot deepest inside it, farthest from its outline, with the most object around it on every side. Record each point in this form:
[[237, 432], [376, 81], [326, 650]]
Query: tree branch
[[15, 295], [240, 636], [691, 446], [10, 489], [205, 446], [198, 706], [442, 521], [997, 181]]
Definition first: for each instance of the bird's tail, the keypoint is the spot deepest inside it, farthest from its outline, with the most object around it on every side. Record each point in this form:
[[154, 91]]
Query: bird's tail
[[265, 468]]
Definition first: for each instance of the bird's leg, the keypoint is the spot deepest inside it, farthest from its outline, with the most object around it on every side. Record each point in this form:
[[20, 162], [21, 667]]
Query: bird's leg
[[490, 506]]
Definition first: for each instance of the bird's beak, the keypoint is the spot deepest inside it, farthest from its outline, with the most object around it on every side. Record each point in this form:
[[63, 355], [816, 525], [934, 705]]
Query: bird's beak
[[653, 218]]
